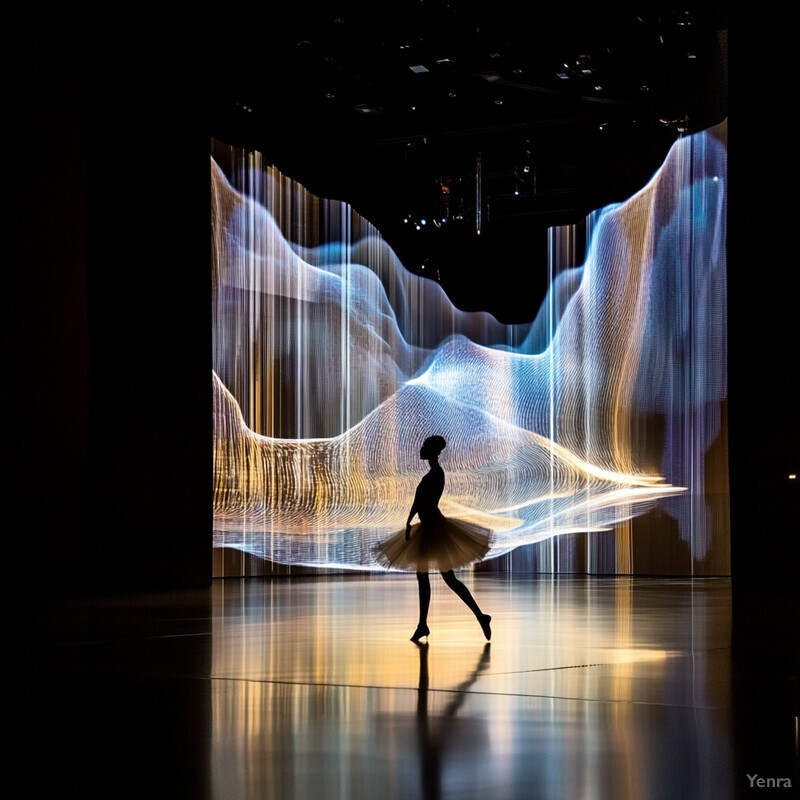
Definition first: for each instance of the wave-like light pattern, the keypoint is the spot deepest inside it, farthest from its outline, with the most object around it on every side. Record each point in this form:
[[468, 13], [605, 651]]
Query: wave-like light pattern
[[332, 363]]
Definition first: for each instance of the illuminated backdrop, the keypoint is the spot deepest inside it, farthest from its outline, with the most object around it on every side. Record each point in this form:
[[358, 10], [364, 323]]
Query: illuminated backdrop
[[592, 438]]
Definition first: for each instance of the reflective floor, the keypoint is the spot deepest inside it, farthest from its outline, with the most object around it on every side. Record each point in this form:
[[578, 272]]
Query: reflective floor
[[619, 688]]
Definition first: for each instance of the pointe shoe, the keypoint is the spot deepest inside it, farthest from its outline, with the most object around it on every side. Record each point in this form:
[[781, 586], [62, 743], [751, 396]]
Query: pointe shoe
[[422, 630], [484, 620]]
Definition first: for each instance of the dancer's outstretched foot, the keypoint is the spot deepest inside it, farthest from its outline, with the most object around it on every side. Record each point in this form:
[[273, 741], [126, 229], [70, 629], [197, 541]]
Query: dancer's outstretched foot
[[484, 620], [422, 630]]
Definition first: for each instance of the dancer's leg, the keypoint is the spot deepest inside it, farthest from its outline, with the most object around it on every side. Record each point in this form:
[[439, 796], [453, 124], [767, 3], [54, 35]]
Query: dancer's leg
[[464, 593], [424, 588]]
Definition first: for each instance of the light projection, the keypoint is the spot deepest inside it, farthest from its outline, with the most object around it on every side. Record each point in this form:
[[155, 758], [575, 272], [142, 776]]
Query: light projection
[[600, 423]]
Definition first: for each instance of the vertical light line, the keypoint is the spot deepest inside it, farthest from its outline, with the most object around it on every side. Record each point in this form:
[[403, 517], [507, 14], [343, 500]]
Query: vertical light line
[[551, 256], [299, 346], [349, 288], [588, 391], [694, 409], [478, 198]]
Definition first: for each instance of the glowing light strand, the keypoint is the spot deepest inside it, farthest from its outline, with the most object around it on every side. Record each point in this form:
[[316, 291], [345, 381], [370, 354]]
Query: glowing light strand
[[332, 363]]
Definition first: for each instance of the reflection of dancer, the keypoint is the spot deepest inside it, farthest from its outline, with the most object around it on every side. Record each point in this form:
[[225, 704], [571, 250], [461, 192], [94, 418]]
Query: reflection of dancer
[[433, 738], [436, 542]]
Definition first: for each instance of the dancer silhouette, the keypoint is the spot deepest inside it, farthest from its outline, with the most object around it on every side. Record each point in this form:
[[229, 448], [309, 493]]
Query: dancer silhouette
[[436, 542]]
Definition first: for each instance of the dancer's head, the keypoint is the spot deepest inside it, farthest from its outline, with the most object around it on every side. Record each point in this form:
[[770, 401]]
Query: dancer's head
[[431, 447]]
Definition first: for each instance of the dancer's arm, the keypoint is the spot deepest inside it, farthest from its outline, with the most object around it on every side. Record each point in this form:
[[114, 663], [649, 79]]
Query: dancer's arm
[[410, 517], [414, 510]]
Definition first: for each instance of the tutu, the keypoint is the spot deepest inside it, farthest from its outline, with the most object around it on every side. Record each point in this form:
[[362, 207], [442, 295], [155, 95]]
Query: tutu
[[438, 543]]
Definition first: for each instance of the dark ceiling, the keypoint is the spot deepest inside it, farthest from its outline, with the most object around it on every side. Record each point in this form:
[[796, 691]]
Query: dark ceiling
[[437, 109]]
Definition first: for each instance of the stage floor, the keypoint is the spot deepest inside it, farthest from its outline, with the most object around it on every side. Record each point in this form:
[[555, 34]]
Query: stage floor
[[306, 688]]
